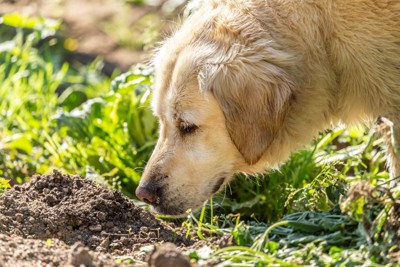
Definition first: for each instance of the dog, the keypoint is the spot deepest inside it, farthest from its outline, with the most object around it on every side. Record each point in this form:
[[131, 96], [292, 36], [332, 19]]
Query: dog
[[244, 83]]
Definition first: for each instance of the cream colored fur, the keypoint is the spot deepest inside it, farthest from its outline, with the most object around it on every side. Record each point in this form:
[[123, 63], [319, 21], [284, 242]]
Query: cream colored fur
[[261, 78]]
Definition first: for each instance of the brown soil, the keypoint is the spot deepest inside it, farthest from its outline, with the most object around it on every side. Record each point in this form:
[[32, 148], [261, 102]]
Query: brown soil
[[59, 219]]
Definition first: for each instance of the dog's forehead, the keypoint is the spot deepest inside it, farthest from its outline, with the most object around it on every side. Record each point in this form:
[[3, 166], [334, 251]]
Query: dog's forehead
[[184, 103], [176, 82], [177, 100]]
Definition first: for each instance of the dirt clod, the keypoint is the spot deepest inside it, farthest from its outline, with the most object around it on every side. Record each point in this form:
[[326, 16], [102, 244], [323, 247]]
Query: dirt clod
[[168, 255], [80, 256]]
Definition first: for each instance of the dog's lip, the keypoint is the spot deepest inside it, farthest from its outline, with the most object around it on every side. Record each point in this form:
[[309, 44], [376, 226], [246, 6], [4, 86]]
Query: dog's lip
[[178, 210], [218, 184], [170, 211]]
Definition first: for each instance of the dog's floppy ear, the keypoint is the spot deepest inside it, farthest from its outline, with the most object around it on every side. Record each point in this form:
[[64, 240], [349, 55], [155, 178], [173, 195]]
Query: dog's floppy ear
[[254, 96]]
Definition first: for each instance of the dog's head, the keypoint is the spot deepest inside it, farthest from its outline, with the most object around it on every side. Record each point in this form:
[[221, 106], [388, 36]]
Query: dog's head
[[221, 102]]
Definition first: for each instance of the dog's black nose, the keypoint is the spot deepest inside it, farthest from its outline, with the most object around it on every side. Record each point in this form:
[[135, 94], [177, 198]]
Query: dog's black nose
[[147, 194]]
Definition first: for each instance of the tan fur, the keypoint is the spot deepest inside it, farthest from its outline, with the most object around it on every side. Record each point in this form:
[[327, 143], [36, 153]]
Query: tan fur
[[261, 78]]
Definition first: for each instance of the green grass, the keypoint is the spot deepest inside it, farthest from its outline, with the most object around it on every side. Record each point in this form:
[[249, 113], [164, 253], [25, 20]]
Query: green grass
[[55, 114]]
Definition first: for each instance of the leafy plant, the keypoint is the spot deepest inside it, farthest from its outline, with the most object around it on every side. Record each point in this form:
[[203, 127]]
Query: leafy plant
[[55, 117], [27, 92], [33, 75], [113, 135]]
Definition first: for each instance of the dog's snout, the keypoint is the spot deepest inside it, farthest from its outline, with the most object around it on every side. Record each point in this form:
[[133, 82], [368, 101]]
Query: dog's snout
[[147, 194]]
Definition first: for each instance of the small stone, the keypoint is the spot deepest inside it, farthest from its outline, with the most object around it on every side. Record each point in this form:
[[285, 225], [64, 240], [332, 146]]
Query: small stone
[[116, 245], [94, 239], [80, 255], [19, 217], [8, 201], [144, 229], [152, 235], [40, 185], [17, 188], [95, 228], [51, 198], [4, 219], [101, 216], [124, 240]]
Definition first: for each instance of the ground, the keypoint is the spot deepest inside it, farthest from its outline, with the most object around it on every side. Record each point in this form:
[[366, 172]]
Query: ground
[[57, 218]]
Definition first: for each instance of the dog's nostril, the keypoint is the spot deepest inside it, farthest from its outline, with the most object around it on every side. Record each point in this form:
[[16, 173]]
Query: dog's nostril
[[146, 194]]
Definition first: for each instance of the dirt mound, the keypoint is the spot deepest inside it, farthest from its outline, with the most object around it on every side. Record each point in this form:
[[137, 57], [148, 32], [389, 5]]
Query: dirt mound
[[72, 209]]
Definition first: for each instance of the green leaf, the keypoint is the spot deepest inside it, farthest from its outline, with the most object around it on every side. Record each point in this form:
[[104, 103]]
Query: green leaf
[[72, 98], [20, 21], [18, 141], [271, 246], [4, 184]]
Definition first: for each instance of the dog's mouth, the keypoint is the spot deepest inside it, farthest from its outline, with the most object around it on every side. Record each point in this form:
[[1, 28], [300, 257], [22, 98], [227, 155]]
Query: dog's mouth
[[173, 209], [218, 185], [169, 210]]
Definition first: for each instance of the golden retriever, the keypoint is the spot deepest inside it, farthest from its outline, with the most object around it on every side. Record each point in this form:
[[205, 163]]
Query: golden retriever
[[244, 83]]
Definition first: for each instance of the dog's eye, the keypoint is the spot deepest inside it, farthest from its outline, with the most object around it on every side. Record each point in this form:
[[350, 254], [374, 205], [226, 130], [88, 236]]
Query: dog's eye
[[186, 128]]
